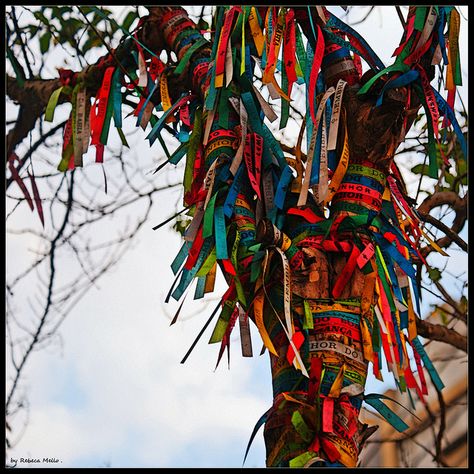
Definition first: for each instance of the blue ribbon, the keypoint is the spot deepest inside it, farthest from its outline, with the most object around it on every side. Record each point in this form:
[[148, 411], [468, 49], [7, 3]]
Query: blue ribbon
[[282, 187], [233, 192], [389, 415], [117, 98], [400, 81], [395, 255], [201, 284], [179, 259], [428, 364], [188, 275], [161, 122], [275, 148], [142, 110], [447, 112], [441, 24], [259, 423], [179, 153], [220, 234], [333, 21]]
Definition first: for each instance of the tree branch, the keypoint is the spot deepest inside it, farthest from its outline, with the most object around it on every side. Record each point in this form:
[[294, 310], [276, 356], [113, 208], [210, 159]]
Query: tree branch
[[34, 147], [34, 95], [444, 228], [439, 333], [42, 322], [457, 203]]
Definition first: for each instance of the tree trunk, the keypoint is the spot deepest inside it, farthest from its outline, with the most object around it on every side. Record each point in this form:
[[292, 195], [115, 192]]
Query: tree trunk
[[315, 414]]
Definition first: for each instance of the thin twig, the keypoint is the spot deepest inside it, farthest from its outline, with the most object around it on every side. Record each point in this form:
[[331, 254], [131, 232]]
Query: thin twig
[[42, 322]]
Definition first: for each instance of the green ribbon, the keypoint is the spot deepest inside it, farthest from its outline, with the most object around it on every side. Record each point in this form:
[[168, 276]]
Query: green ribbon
[[104, 135], [285, 104], [432, 154], [208, 264], [193, 146], [238, 285], [122, 137], [300, 52], [386, 412], [222, 322], [301, 427], [302, 459], [200, 286], [308, 316], [420, 16], [53, 101], [209, 217], [428, 364], [187, 55]]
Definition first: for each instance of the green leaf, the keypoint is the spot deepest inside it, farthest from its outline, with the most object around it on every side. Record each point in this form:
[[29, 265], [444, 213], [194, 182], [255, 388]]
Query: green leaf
[[63, 10], [86, 9], [181, 225], [461, 169], [461, 166], [40, 16], [443, 316], [129, 19], [420, 169], [449, 178], [44, 42], [434, 274], [92, 42], [33, 30]]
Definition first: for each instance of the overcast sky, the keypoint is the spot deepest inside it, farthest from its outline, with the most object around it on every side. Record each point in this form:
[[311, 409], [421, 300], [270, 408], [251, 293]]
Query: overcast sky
[[112, 391]]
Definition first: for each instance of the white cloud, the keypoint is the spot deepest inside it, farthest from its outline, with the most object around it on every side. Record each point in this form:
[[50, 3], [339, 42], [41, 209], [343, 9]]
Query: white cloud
[[119, 394]]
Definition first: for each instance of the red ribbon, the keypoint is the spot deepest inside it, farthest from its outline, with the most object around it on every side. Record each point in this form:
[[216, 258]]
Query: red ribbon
[[411, 382], [307, 214], [346, 273], [327, 415], [16, 176], [228, 267], [357, 64], [331, 451], [297, 339], [224, 38], [376, 366], [416, 55], [421, 374], [98, 112], [409, 30], [289, 49], [36, 197], [194, 250], [318, 58], [253, 151], [314, 378], [156, 68], [184, 115]]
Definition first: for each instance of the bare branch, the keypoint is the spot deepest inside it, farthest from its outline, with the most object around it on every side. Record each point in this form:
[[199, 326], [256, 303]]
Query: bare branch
[[436, 332], [37, 334], [444, 228]]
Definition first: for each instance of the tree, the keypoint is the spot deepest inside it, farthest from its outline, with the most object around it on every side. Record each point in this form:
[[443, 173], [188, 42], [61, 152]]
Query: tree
[[317, 246]]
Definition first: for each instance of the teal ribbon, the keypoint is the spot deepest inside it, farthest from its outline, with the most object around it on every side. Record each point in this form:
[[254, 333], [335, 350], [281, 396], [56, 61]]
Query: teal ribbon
[[428, 364]]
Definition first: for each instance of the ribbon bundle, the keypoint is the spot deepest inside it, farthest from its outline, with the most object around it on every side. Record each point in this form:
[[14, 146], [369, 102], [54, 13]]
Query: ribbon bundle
[[275, 225]]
